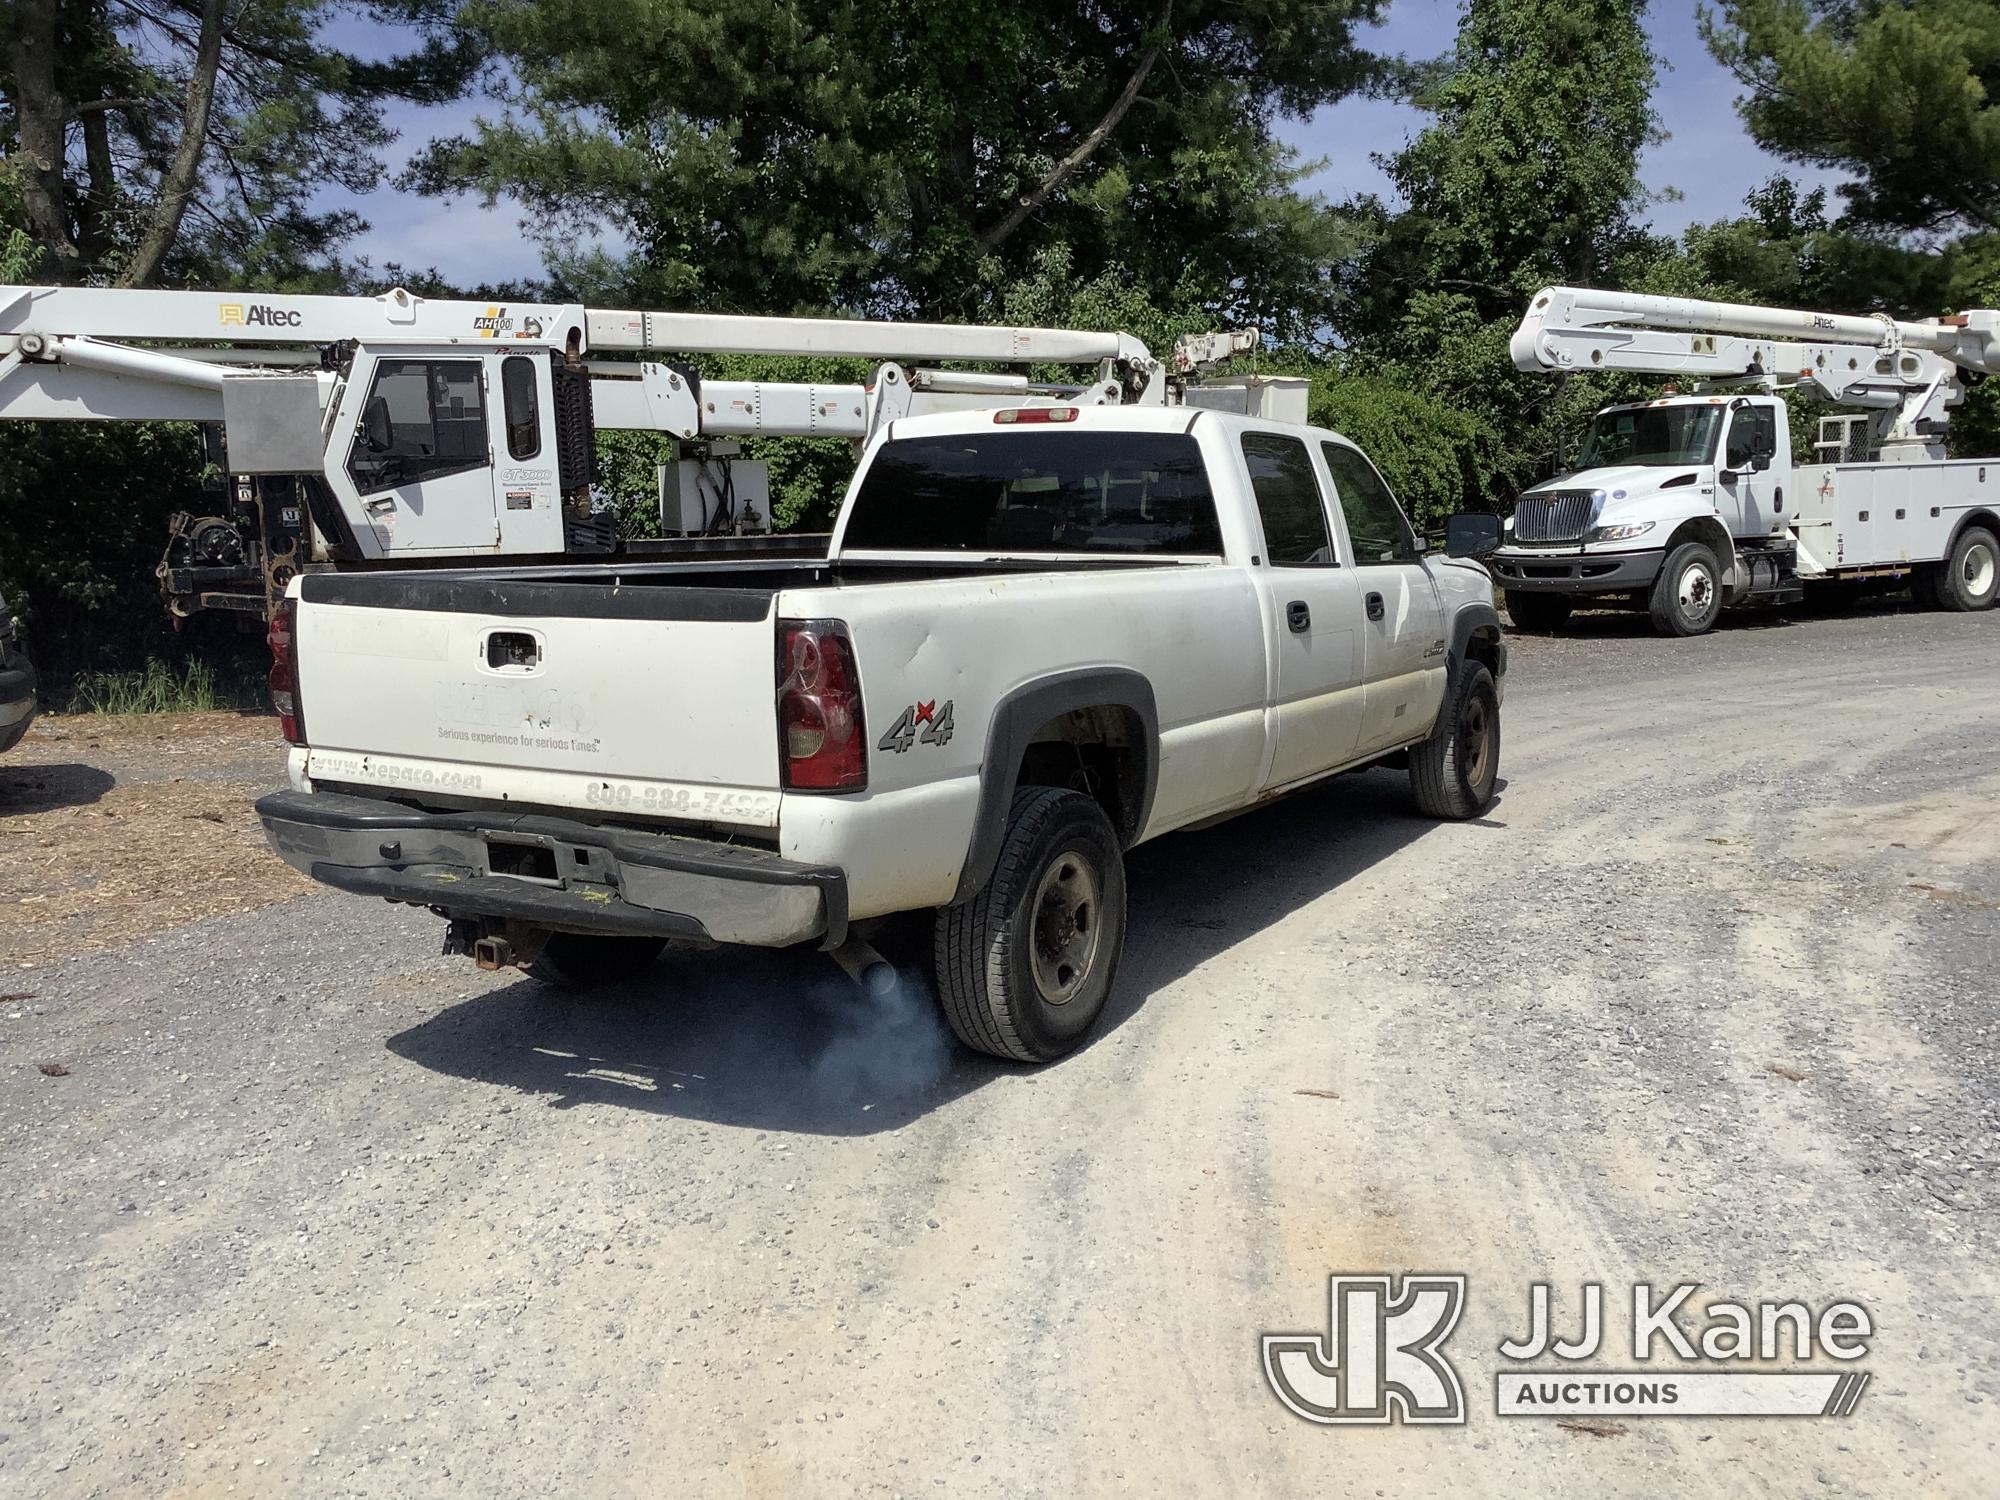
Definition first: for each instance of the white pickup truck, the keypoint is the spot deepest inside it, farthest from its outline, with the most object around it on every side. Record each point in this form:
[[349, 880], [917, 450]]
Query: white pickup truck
[[1042, 634]]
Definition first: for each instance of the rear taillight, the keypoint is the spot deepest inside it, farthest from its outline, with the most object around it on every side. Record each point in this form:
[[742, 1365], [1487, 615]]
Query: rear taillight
[[283, 636], [822, 741]]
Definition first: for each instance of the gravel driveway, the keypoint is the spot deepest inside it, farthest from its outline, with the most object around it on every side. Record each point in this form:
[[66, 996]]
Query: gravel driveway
[[1709, 996]]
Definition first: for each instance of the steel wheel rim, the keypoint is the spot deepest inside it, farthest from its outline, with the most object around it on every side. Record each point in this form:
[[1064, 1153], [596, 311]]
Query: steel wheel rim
[[1978, 570], [1476, 728], [1063, 935], [1696, 591]]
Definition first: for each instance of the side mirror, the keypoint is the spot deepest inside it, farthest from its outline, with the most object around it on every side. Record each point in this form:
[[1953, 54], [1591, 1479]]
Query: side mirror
[[1471, 534], [377, 436], [1726, 476]]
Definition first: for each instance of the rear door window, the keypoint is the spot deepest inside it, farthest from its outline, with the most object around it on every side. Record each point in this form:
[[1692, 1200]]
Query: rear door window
[[1296, 534], [524, 411], [1037, 491]]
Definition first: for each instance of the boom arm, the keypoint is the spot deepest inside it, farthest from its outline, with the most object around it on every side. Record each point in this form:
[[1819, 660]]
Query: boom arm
[[1877, 362], [376, 430]]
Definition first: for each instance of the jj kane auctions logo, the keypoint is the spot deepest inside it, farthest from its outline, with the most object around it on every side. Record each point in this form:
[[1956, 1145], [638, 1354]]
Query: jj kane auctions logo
[[1382, 1358]]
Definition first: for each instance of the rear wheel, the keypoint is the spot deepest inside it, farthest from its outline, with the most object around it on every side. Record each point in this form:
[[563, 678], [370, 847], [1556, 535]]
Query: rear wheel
[[587, 961], [1970, 578], [1454, 772], [1687, 596], [1024, 968], [1537, 612]]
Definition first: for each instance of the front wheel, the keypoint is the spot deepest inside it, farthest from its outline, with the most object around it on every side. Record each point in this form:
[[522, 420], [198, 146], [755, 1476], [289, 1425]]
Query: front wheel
[[1687, 596], [1537, 612], [1024, 968], [1454, 772]]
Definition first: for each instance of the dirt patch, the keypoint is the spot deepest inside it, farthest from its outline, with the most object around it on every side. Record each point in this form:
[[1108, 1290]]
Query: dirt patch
[[113, 828]]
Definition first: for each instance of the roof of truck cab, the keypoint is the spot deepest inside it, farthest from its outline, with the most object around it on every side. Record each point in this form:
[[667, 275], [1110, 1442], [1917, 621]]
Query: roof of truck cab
[[1089, 418]]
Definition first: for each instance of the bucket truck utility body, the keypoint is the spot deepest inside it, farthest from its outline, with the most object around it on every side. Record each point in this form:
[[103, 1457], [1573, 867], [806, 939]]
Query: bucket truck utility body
[[376, 432], [1043, 634], [1693, 502]]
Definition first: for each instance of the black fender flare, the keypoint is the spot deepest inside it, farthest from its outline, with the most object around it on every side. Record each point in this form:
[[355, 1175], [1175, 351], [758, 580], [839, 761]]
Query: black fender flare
[[1017, 716], [1470, 619]]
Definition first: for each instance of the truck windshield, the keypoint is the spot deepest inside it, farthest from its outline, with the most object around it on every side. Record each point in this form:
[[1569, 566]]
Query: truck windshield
[[1046, 490], [1654, 435]]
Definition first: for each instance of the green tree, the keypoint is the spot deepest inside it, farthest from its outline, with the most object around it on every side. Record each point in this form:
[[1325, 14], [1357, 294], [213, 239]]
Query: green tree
[[1527, 176], [908, 157], [1904, 94], [173, 140]]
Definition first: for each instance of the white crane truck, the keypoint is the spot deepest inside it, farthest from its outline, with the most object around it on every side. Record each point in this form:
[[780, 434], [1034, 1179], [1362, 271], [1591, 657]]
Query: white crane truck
[[1045, 631], [396, 430], [1691, 503]]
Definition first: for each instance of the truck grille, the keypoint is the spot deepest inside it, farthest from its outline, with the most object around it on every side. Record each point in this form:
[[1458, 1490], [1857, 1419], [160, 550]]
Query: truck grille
[[1560, 516]]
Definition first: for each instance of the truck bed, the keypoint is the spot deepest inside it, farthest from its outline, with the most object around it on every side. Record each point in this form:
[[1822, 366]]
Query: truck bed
[[615, 689]]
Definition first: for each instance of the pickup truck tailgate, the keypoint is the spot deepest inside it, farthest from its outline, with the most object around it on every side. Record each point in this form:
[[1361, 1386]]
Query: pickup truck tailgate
[[652, 701]]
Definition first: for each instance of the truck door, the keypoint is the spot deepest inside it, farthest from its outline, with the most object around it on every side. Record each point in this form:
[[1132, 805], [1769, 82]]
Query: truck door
[[1751, 504], [1403, 644], [1312, 612], [415, 471]]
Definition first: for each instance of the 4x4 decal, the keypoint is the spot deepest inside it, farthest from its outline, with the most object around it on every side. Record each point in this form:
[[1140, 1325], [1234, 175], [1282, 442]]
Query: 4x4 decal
[[902, 734]]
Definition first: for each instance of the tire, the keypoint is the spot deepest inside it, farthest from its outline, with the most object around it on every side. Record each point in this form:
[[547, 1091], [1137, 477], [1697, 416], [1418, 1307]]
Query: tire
[[1970, 578], [1538, 612], [578, 961], [1023, 969], [1687, 596], [1454, 772]]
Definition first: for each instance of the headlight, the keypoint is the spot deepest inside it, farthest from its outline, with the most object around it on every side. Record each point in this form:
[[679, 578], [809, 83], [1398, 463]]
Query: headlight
[[1620, 533]]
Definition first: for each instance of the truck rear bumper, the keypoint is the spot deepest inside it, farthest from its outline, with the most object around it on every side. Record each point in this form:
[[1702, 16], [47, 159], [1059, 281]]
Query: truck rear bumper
[[567, 875], [1534, 570]]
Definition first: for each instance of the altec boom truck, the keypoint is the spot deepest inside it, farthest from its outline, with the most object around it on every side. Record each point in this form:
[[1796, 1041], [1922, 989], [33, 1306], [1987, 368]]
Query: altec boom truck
[[1691, 503], [372, 432]]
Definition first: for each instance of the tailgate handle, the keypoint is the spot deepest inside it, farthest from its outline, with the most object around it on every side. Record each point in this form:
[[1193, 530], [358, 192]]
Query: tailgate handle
[[516, 649]]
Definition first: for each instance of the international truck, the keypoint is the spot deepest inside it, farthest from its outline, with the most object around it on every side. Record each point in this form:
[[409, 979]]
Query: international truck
[[1691, 503]]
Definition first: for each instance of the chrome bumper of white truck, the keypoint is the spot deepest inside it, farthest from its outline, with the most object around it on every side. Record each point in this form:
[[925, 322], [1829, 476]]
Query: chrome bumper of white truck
[[559, 873]]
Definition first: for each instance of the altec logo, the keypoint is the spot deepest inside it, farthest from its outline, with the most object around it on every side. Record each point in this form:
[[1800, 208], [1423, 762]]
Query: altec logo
[[257, 315], [492, 323], [1379, 1356]]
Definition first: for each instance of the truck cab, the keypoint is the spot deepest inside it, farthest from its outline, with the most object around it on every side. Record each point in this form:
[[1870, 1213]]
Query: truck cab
[[1655, 479]]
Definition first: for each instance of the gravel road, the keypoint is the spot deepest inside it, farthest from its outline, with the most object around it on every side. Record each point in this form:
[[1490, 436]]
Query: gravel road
[[1708, 997]]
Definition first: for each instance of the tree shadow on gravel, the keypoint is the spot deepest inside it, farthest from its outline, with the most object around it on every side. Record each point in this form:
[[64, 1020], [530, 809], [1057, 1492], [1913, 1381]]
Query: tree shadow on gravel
[[44, 788], [783, 1041]]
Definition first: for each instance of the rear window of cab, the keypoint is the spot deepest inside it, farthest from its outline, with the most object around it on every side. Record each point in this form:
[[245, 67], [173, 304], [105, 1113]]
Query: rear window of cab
[[1037, 491]]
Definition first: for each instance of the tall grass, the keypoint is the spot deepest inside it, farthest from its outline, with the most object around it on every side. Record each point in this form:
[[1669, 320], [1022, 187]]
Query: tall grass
[[157, 688]]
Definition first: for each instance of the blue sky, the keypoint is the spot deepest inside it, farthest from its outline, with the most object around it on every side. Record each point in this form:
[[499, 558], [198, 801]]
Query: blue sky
[[1707, 158]]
